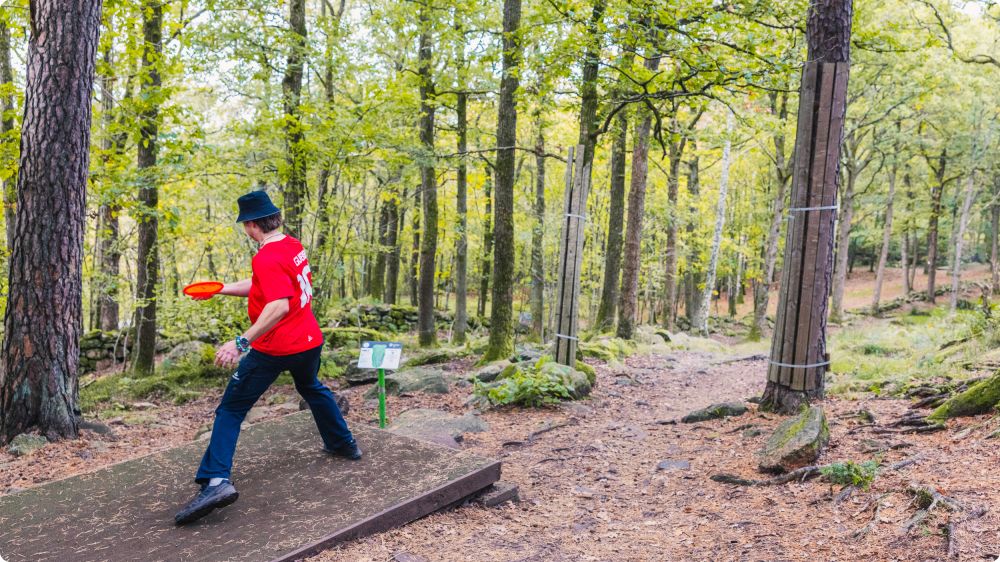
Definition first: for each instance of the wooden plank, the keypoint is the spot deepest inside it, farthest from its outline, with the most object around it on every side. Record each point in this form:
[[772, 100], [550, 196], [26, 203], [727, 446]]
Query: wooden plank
[[295, 499], [564, 243], [811, 220], [795, 232], [824, 259]]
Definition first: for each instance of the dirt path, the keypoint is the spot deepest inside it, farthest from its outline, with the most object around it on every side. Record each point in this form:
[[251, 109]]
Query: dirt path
[[591, 490]]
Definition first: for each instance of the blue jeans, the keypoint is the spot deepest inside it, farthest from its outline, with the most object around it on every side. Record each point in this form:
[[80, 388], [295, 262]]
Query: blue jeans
[[252, 378]]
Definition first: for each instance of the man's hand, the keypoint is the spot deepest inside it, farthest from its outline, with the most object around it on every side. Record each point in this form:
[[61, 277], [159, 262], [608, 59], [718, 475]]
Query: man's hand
[[227, 355]]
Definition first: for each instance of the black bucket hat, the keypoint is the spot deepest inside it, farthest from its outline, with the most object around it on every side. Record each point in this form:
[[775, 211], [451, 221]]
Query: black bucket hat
[[255, 205]]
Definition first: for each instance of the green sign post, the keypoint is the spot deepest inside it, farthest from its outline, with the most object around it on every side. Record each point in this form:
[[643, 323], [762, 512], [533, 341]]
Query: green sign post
[[380, 355]]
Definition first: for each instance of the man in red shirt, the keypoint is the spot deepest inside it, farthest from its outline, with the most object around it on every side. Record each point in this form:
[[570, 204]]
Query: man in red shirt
[[284, 336]]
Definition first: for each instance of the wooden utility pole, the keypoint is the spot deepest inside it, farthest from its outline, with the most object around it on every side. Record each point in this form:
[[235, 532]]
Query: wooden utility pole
[[571, 256], [798, 351]]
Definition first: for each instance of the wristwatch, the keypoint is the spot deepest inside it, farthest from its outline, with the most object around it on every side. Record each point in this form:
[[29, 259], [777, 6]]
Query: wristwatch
[[242, 344]]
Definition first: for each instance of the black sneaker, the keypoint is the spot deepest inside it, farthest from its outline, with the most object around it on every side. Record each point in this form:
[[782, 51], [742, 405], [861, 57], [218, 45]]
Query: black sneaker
[[209, 498], [348, 451]]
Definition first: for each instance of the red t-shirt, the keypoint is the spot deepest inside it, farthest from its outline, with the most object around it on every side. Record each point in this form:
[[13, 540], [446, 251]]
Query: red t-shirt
[[281, 271]]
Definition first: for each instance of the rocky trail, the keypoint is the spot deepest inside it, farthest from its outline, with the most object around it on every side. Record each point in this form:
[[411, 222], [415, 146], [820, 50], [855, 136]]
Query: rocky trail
[[617, 477]]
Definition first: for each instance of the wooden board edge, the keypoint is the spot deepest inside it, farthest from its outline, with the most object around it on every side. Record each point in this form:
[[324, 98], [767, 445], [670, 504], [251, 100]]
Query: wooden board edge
[[404, 512]]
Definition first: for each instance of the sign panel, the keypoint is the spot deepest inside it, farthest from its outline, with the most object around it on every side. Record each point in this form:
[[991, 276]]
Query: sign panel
[[380, 355]]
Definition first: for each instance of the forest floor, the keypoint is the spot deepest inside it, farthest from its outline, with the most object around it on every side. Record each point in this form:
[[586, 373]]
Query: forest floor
[[591, 486]]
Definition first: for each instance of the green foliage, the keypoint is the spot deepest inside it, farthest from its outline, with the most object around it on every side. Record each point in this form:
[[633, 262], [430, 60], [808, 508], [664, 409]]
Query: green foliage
[[606, 349], [850, 473], [541, 383]]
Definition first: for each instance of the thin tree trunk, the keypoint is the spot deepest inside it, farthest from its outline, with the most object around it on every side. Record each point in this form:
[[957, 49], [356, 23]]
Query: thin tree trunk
[[675, 152], [377, 281], [636, 204], [38, 382], [693, 276], [937, 195], [414, 252], [538, 237], [7, 186], [720, 219], [995, 238], [462, 240], [843, 248], [486, 259], [149, 257], [886, 240], [971, 191], [501, 342], [392, 267], [616, 214], [427, 332], [295, 150]]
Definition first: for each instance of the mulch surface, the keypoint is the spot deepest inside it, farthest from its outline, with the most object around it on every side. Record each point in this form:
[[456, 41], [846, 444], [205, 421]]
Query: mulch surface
[[591, 488]]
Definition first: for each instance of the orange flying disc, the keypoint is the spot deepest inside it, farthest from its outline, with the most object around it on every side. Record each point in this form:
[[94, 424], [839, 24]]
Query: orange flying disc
[[203, 289]]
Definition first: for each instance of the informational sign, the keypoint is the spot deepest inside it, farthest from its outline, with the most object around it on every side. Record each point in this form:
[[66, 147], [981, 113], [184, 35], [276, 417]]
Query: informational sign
[[380, 355]]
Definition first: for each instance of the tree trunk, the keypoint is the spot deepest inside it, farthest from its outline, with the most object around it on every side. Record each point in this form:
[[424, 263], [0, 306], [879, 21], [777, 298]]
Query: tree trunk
[[588, 87], [636, 203], [616, 214], [798, 352], [295, 150], [414, 252], [38, 382], [693, 276], [7, 186], [427, 332], [462, 241], [148, 216], [762, 290], [843, 247], [392, 268], [486, 259], [883, 256], [720, 219], [538, 238], [377, 281], [937, 195], [676, 151], [995, 238], [112, 147], [971, 191], [501, 343]]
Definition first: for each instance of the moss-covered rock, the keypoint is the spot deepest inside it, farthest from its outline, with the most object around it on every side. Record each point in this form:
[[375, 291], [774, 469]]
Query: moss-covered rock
[[796, 442], [979, 398], [350, 336], [587, 370], [490, 372], [26, 443], [414, 379], [435, 356], [606, 349], [716, 412]]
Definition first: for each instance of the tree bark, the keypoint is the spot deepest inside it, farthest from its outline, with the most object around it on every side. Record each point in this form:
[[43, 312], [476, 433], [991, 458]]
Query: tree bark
[[843, 247], [720, 219], [798, 352], [995, 238], [414, 252], [148, 216], [693, 276], [616, 214], [538, 237], [43, 318], [295, 150], [392, 268], [426, 330], [501, 342], [675, 153], [636, 210]]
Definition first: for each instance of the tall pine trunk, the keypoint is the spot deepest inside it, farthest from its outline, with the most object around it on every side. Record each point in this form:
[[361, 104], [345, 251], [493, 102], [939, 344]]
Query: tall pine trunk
[[7, 185], [675, 153], [937, 196], [462, 241], [427, 332], [295, 150], [149, 256], [720, 218], [41, 350], [501, 343], [487, 255]]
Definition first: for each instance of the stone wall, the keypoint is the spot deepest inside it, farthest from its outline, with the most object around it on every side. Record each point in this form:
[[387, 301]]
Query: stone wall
[[392, 319]]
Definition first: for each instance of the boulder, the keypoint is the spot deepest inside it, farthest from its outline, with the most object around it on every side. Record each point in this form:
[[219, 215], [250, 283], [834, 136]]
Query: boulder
[[977, 399], [796, 442], [26, 443], [716, 412], [435, 426], [490, 372], [414, 379], [355, 376]]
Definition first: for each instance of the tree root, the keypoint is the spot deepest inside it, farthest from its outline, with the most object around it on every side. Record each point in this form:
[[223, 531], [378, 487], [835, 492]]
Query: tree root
[[800, 473], [871, 523], [530, 438], [927, 498]]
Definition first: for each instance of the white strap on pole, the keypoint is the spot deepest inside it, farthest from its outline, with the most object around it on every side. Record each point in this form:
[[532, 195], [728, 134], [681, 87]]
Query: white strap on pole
[[581, 217], [808, 209], [567, 337], [780, 364]]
